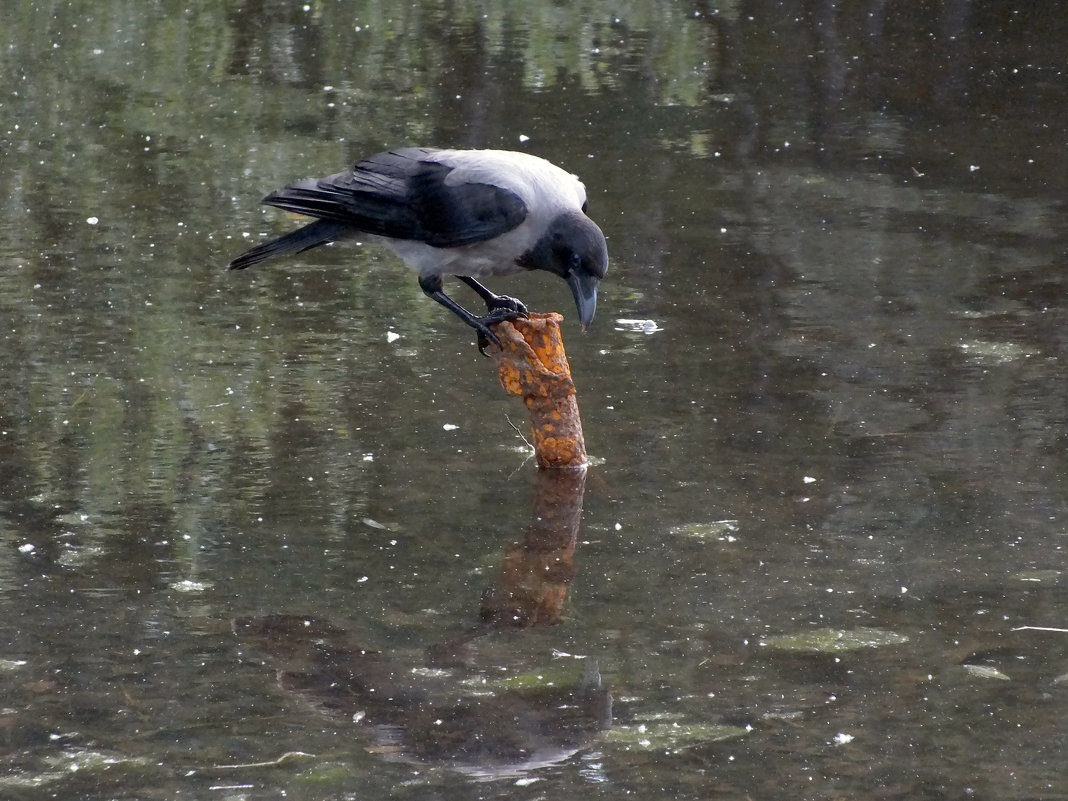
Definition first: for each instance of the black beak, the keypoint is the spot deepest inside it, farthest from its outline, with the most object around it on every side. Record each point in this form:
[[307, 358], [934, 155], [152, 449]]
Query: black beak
[[584, 288]]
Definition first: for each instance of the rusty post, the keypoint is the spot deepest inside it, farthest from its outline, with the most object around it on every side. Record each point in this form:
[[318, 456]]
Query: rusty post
[[532, 364]]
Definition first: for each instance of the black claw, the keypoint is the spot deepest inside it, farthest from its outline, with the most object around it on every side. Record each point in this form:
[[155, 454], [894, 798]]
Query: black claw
[[506, 303], [496, 315], [484, 340]]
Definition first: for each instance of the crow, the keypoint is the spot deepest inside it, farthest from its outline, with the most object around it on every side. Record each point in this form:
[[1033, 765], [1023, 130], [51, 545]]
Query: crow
[[467, 213]]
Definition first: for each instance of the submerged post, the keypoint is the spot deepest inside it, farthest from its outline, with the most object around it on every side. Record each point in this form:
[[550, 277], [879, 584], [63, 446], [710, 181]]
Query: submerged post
[[532, 363]]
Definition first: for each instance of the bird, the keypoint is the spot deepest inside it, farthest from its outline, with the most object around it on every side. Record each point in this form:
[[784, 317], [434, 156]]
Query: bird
[[465, 213]]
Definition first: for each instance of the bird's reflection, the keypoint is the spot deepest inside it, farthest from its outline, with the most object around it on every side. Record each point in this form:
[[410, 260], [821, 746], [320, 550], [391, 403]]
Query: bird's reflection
[[443, 711]]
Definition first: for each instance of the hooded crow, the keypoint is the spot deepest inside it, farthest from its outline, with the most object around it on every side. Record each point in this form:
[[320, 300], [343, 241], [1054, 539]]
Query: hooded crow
[[467, 213]]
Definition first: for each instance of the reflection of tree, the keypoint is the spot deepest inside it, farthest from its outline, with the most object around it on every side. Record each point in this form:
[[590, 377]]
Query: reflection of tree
[[184, 106]]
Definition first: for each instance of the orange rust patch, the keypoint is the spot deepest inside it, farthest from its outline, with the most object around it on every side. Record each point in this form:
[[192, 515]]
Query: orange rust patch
[[532, 364]]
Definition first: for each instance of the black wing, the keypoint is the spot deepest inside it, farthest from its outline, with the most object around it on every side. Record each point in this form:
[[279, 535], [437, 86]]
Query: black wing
[[400, 194]]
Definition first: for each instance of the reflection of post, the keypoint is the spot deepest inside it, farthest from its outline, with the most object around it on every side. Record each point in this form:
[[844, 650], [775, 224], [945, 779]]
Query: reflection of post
[[532, 363], [536, 573]]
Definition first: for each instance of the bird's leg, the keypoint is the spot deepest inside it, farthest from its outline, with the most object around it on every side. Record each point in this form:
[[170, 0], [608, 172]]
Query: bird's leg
[[499, 308], [495, 302]]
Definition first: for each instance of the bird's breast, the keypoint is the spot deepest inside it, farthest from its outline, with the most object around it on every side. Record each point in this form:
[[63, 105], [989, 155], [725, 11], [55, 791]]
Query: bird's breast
[[495, 256]]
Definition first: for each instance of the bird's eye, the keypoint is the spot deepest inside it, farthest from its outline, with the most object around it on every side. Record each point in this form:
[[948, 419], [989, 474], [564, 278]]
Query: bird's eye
[[575, 262]]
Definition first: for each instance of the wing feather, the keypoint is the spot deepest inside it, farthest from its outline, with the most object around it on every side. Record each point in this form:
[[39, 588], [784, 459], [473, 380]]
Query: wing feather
[[403, 194]]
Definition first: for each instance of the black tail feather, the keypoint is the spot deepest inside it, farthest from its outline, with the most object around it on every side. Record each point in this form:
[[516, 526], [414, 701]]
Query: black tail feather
[[310, 236]]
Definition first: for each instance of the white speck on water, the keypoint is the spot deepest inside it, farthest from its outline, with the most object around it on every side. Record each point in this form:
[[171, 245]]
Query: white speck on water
[[92, 220], [524, 138], [842, 738], [809, 480], [450, 427], [392, 336], [27, 548]]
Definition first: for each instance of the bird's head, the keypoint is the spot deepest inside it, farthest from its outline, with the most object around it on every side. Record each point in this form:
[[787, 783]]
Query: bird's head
[[574, 248]]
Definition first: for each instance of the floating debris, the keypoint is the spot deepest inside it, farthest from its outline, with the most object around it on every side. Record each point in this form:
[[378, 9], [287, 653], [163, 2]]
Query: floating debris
[[1049, 576], [986, 672], [713, 530], [994, 353], [288, 756], [833, 641], [637, 326], [188, 585]]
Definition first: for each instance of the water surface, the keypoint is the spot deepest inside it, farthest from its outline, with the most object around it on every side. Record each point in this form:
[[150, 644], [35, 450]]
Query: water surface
[[821, 546]]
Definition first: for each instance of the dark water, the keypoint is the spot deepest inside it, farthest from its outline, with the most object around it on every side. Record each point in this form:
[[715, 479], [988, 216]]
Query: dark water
[[828, 514]]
